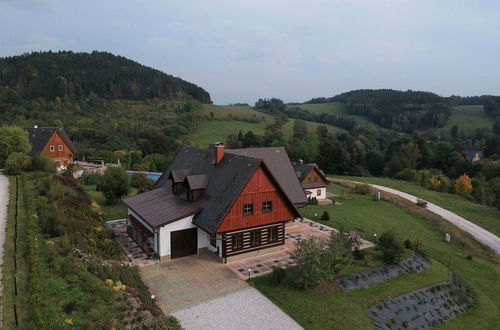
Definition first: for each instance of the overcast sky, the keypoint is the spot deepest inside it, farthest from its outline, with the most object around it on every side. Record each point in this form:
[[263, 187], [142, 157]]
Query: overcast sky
[[240, 51]]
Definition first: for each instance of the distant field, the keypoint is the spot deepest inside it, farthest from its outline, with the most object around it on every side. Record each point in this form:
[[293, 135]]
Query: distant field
[[469, 117], [213, 131], [335, 108], [230, 120], [223, 112], [311, 126]]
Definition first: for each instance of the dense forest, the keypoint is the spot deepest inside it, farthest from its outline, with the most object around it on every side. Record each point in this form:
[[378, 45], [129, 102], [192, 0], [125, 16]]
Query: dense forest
[[72, 75]]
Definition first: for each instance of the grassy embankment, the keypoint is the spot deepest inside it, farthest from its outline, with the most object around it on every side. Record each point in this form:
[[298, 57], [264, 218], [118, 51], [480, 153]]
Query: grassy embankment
[[327, 307], [483, 216]]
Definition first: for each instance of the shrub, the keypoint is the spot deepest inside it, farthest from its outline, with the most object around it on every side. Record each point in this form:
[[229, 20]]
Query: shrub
[[40, 162], [114, 184], [325, 216], [463, 186], [408, 244], [363, 189], [358, 254], [141, 181], [406, 175], [17, 163], [278, 276], [391, 247], [469, 257], [90, 178], [318, 260]]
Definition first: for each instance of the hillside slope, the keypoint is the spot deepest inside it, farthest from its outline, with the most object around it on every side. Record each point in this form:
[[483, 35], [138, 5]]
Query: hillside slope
[[74, 75]]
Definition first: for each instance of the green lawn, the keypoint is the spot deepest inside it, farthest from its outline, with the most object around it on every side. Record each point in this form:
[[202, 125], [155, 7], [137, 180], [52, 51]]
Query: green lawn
[[469, 117], [111, 212], [483, 216], [327, 308], [311, 127], [335, 108]]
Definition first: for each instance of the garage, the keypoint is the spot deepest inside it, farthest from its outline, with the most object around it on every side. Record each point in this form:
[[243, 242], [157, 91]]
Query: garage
[[183, 243]]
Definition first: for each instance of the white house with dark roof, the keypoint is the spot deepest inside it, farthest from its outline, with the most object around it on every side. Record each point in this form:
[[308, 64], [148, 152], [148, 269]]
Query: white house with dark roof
[[232, 202]]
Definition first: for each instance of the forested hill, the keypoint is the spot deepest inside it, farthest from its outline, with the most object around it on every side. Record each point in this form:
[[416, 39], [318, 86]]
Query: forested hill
[[404, 111], [74, 75]]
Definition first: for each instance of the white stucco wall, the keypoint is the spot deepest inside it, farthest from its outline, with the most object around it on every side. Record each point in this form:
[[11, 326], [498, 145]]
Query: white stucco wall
[[314, 193], [181, 224]]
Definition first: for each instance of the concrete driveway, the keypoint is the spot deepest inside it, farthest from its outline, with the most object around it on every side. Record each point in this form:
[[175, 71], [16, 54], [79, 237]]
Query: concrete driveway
[[479, 233], [243, 309], [190, 280]]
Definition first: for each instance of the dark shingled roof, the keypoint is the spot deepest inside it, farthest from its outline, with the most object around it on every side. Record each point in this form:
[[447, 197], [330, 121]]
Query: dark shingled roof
[[278, 163], [303, 170], [40, 136], [470, 154], [224, 183], [197, 181], [159, 206]]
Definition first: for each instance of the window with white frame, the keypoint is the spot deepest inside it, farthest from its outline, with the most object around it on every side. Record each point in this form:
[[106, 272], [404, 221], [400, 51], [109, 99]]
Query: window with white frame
[[267, 206], [60, 147], [248, 209], [51, 148]]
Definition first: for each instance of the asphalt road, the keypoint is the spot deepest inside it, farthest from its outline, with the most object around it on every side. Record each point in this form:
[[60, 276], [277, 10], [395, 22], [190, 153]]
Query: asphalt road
[[479, 233]]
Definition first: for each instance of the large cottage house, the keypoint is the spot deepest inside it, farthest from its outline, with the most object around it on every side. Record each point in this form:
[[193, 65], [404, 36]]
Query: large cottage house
[[312, 179], [52, 142], [233, 202]]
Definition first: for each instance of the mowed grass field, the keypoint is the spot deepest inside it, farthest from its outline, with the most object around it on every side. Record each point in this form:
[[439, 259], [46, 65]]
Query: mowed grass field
[[483, 216], [335, 108], [329, 308], [469, 117]]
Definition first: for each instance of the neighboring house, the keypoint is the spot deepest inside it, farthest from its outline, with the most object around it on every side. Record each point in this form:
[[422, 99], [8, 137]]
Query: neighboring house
[[473, 155], [232, 202], [52, 142], [312, 179]]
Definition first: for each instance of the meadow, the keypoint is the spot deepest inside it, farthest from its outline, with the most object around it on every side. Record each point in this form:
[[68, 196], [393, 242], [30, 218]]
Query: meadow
[[327, 307], [469, 117], [483, 216]]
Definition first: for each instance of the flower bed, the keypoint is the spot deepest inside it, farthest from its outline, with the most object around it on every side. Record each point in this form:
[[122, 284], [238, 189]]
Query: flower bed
[[424, 308], [415, 263]]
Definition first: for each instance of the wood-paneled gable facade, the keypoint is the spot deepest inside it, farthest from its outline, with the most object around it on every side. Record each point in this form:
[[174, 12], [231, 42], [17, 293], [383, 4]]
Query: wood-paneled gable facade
[[314, 177], [259, 190], [58, 150]]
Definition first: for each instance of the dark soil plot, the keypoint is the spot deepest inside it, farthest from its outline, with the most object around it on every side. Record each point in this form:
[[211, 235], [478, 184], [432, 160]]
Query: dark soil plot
[[424, 308], [415, 263]]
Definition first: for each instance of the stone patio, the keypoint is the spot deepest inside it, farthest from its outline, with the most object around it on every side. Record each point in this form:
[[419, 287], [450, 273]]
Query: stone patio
[[294, 232], [135, 254]]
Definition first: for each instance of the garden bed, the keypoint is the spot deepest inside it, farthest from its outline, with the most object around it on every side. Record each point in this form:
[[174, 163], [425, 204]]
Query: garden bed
[[415, 263], [424, 308]]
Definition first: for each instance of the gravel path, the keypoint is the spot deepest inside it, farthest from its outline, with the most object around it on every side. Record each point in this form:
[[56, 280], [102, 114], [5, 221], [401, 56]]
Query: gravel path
[[243, 309], [4, 201], [477, 232]]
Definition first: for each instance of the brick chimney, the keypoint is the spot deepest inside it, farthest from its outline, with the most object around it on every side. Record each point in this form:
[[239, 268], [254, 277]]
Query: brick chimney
[[219, 152]]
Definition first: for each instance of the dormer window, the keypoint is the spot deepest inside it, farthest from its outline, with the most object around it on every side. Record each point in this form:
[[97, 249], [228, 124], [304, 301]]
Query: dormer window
[[52, 148]]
